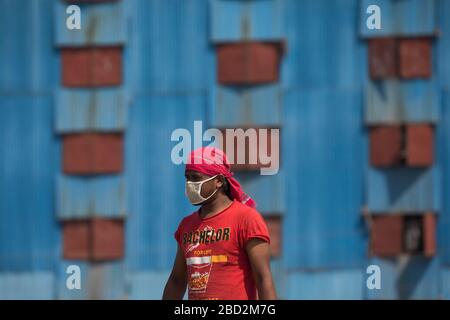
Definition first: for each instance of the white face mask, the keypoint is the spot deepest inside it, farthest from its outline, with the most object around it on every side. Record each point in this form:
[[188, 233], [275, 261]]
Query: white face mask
[[193, 191]]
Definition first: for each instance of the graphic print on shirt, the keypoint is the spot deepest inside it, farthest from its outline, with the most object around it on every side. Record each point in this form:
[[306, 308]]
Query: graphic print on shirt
[[200, 262]]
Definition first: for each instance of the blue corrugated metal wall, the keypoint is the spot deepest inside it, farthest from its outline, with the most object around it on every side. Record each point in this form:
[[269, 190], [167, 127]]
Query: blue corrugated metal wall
[[322, 103], [29, 151]]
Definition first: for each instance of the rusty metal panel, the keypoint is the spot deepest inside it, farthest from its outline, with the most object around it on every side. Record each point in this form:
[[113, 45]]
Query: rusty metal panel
[[419, 145], [92, 153], [101, 24], [93, 239], [76, 240], [260, 105], [429, 234], [274, 224], [386, 235], [249, 154], [97, 110], [402, 190], [383, 62], [407, 58], [246, 20], [84, 197], [385, 145], [91, 67], [395, 145], [248, 63], [400, 18], [415, 58], [394, 101], [107, 239]]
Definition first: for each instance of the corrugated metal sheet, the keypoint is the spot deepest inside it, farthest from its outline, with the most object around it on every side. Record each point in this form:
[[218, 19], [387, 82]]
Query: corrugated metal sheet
[[402, 189], [420, 145], [248, 62], [251, 106], [445, 284], [155, 185], [101, 24], [383, 58], [28, 62], [99, 281], [413, 17], [267, 191], [406, 277], [279, 277], [169, 49], [322, 46], [91, 67], [394, 101], [343, 284], [415, 57], [325, 154], [93, 239], [386, 235], [90, 110], [243, 20], [83, 197], [29, 158], [27, 286], [147, 285], [92, 153], [443, 158], [443, 44]]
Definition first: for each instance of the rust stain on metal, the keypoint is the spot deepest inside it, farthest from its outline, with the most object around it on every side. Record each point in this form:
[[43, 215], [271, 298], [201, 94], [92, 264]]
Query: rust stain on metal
[[429, 230], [385, 145], [409, 145], [420, 145], [386, 237], [415, 58], [247, 63], [91, 66], [92, 153], [76, 240], [405, 57], [382, 58], [93, 239]]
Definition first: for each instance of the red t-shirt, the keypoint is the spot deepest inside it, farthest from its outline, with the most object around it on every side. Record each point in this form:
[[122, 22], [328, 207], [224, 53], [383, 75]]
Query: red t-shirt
[[217, 263]]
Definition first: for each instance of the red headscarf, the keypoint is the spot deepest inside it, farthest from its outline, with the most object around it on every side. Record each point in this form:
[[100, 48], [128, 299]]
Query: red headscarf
[[213, 161]]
